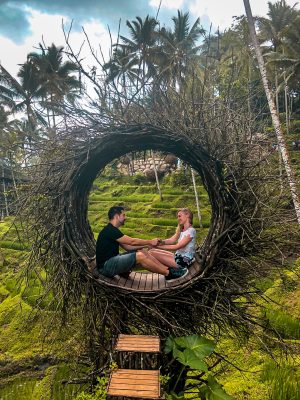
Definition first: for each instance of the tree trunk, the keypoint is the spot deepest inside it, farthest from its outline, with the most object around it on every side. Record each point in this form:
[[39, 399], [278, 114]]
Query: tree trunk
[[156, 176], [5, 193], [279, 151], [273, 111], [276, 90], [13, 176], [53, 114], [286, 104], [196, 198]]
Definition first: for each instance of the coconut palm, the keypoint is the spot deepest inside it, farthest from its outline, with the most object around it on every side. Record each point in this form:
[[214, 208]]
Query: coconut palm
[[56, 77], [271, 29], [140, 47], [280, 15], [178, 49], [22, 95], [121, 70], [289, 59]]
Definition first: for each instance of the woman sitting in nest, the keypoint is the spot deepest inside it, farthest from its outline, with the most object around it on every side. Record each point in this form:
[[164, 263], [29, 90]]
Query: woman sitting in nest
[[183, 243]]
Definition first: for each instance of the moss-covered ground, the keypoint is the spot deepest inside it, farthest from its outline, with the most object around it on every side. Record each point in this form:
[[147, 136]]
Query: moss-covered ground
[[35, 353]]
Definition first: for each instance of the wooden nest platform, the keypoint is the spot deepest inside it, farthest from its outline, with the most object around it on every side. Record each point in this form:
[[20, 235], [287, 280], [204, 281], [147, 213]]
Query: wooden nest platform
[[145, 282]]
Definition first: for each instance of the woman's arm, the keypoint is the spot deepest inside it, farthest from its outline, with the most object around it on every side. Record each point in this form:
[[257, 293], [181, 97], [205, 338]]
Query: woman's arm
[[182, 243], [173, 239]]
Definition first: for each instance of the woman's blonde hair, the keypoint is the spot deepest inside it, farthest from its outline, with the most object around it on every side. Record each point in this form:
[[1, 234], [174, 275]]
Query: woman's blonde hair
[[187, 212]]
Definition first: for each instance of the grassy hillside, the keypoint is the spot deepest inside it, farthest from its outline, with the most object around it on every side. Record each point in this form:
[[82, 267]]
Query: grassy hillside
[[35, 356]]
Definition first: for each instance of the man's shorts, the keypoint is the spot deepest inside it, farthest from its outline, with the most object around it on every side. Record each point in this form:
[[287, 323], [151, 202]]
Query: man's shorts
[[118, 264]]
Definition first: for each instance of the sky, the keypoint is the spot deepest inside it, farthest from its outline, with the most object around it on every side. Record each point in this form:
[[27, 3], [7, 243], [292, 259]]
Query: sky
[[26, 23]]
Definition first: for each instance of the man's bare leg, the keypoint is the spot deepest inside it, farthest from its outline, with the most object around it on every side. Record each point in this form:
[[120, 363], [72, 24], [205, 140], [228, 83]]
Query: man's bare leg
[[151, 264]]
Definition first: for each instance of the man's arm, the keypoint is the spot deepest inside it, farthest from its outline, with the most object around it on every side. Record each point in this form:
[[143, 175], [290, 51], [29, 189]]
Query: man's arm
[[127, 240], [129, 248]]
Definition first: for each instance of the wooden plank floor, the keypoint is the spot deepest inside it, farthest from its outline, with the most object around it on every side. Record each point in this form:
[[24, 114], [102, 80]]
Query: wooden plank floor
[[139, 343], [142, 384], [148, 282]]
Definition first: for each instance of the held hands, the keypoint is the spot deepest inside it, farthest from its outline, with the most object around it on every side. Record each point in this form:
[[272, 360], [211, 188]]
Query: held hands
[[156, 242]]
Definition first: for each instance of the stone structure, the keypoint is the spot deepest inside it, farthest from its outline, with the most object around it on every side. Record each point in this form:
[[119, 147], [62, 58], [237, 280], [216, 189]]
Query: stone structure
[[164, 163]]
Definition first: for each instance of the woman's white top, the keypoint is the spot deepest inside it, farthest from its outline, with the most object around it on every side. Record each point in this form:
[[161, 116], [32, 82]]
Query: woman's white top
[[190, 248]]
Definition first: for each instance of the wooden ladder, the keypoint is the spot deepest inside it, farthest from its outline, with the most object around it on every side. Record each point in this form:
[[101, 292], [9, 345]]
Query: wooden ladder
[[135, 383]]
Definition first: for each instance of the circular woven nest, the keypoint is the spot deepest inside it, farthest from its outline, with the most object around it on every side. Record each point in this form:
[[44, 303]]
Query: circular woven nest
[[97, 153], [63, 240]]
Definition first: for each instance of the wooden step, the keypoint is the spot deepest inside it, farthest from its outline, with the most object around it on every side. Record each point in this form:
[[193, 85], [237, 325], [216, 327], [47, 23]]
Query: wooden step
[[142, 384], [138, 343]]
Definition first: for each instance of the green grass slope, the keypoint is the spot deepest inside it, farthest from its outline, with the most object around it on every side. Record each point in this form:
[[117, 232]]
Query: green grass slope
[[29, 346], [35, 354]]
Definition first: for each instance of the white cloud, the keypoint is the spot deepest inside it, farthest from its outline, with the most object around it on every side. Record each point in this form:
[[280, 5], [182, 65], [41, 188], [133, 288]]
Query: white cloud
[[171, 4], [48, 28], [221, 12]]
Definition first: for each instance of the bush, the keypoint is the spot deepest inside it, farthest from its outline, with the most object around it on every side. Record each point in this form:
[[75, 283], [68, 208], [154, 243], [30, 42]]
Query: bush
[[181, 177], [99, 392], [283, 379], [287, 326], [139, 179], [295, 126]]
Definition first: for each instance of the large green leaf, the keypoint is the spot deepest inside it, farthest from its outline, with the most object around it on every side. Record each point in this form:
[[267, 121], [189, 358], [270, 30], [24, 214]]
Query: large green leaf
[[170, 345], [178, 354], [190, 359], [201, 346], [214, 391]]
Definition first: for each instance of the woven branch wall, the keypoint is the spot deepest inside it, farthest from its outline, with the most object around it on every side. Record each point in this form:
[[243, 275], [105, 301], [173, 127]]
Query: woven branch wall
[[235, 251]]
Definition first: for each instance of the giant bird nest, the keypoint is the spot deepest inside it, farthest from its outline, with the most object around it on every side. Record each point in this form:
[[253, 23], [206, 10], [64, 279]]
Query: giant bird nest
[[244, 240]]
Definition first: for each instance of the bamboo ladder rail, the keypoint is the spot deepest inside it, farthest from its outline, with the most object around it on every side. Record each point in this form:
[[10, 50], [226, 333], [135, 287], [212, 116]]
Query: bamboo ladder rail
[[135, 383]]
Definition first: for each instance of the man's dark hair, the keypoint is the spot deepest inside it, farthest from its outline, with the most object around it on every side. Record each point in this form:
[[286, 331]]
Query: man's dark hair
[[114, 210]]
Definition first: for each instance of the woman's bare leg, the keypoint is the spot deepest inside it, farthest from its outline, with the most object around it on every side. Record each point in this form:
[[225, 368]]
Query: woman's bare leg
[[151, 264], [163, 256]]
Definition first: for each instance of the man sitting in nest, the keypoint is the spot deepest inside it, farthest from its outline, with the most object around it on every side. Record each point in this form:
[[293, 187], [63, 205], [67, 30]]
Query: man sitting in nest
[[108, 260]]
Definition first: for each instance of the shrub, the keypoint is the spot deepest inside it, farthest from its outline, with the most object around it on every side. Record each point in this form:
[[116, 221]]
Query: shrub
[[181, 177], [285, 384], [287, 326], [99, 392], [140, 179]]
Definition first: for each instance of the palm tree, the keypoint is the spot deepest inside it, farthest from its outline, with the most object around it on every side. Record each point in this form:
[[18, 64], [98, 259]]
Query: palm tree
[[271, 29], [178, 49], [56, 77], [280, 16], [289, 59], [120, 69], [21, 96], [273, 111], [140, 47]]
